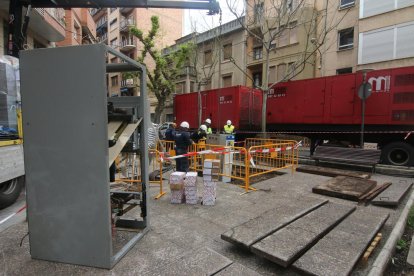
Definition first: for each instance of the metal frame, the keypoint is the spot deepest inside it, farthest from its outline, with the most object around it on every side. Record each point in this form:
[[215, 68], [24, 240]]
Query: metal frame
[[66, 154]]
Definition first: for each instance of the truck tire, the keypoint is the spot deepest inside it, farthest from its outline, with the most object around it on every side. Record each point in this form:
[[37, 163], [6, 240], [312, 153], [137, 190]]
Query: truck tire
[[398, 154], [10, 191]]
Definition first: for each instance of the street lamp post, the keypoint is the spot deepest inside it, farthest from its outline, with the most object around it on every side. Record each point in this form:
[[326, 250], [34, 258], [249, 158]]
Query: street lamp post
[[364, 92]]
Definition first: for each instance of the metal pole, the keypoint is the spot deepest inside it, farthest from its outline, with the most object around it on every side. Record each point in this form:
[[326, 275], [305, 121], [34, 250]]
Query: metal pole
[[363, 112]]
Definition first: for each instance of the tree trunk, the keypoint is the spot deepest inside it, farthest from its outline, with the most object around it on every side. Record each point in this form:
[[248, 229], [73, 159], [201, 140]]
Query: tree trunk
[[158, 110], [265, 85], [199, 103]]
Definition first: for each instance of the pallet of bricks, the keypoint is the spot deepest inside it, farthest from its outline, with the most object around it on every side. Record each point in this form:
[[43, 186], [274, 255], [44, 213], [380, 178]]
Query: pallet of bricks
[[210, 178]]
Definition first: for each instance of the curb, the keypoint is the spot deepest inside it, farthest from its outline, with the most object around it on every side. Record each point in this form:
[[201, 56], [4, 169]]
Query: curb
[[381, 262]]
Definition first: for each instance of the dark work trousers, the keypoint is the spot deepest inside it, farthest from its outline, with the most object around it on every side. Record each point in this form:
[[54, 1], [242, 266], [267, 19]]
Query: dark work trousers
[[182, 164]]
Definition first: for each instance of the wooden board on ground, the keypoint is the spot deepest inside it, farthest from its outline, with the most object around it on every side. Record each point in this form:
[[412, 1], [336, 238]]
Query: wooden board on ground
[[351, 188], [289, 243], [393, 195], [250, 232], [339, 251], [332, 172]]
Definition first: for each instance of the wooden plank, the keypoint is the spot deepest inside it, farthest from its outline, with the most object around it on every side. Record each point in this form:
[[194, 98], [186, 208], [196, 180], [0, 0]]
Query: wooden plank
[[332, 172], [289, 243], [393, 195], [112, 128], [122, 140], [250, 232], [339, 251], [351, 188], [375, 191]]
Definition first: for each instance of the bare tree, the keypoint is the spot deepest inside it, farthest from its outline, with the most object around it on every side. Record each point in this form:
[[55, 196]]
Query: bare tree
[[269, 25]]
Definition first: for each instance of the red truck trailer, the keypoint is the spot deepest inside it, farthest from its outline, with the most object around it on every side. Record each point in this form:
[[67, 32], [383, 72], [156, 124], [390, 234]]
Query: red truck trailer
[[329, 108], [241, 105]]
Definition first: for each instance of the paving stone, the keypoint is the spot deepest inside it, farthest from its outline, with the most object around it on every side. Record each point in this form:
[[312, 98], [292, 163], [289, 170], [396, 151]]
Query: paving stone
[[410, 257], [237, 269], [253, 230], [345, 187], [393, 195], [201, 262], [332, 172], [289, 243], [339, 251]]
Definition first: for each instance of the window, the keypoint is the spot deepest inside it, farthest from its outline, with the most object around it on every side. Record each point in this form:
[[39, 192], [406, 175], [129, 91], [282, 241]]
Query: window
[[374, 7], [114, 43], [227, 51], [257, 79], [180, 88], [114, 80], [291, 70], [227, 81], [207, 57], [258, 11], [346, 3], [346, 39], [257, 53], [272, 74], [281, 71], [346, 70], [386, 43], [288, 35], [207, 86], [112, 25]]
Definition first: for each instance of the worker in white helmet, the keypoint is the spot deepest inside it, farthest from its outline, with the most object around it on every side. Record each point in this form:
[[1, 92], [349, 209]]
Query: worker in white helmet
[[208, 125], [201, 133], [182, 141], [228, 128]]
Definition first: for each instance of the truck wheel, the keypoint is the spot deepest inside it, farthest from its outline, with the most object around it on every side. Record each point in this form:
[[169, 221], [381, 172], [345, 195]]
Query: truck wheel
[[9, 192], [398, 154]]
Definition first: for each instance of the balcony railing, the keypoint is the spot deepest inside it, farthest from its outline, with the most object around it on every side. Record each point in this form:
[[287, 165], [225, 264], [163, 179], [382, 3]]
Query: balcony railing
[[103, 38], [127, 44], [127, 23], [102, 23]]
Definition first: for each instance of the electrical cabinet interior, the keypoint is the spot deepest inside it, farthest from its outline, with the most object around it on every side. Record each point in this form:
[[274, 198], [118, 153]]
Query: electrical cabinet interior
[[67, 155]]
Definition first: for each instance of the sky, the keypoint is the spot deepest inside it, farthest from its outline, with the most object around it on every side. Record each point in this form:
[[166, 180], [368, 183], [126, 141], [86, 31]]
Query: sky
[[199, 20]]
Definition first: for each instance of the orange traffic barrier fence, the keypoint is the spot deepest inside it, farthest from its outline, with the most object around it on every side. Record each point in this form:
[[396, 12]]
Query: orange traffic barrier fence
[[128, 169]]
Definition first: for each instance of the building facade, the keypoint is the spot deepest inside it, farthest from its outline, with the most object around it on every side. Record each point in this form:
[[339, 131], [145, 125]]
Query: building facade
[[112, 28], [46, 27], [80, 27], [373, 35]]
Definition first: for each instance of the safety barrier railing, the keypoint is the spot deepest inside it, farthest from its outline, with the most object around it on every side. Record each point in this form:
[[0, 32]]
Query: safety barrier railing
[[269, 158], [128, 171]]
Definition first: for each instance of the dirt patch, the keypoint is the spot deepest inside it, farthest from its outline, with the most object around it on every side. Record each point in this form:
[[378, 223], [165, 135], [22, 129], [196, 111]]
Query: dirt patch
[[398, 264]]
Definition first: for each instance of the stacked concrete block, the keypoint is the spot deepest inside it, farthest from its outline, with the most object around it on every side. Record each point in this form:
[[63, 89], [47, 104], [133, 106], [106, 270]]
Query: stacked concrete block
[[190, 188], [210, 177], [177, 187]]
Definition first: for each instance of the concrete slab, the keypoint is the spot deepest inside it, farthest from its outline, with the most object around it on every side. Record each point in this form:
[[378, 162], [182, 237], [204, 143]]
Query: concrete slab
[[332, 172], [289, 243], [202, 262], [253, 230], [393, 195], [327, 258], [237, 269], [345, 187]]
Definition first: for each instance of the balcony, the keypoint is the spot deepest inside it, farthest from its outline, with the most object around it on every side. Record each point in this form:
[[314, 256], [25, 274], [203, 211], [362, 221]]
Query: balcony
[[128, 83], [125, 10], [102, 24], [127, 45], [48, 23], [96, 13], [87, 23], [126, 24], [103, 38]]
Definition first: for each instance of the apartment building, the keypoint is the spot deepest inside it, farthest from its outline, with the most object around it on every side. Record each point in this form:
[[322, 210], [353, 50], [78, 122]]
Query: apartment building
[[46, 27], [112, 28], [80, 27], [220, 61], [373, 35]]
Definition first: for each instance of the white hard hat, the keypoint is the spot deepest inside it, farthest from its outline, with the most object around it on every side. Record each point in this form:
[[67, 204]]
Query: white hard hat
[[208, 121], [184, 125], [203, 127], [228, 122]]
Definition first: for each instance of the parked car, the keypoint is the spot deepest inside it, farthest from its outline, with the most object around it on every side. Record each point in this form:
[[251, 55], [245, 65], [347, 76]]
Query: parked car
[[162, 128]]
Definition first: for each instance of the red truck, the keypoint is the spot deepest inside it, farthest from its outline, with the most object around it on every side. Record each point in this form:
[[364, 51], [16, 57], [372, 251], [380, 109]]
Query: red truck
[[328, 108]]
